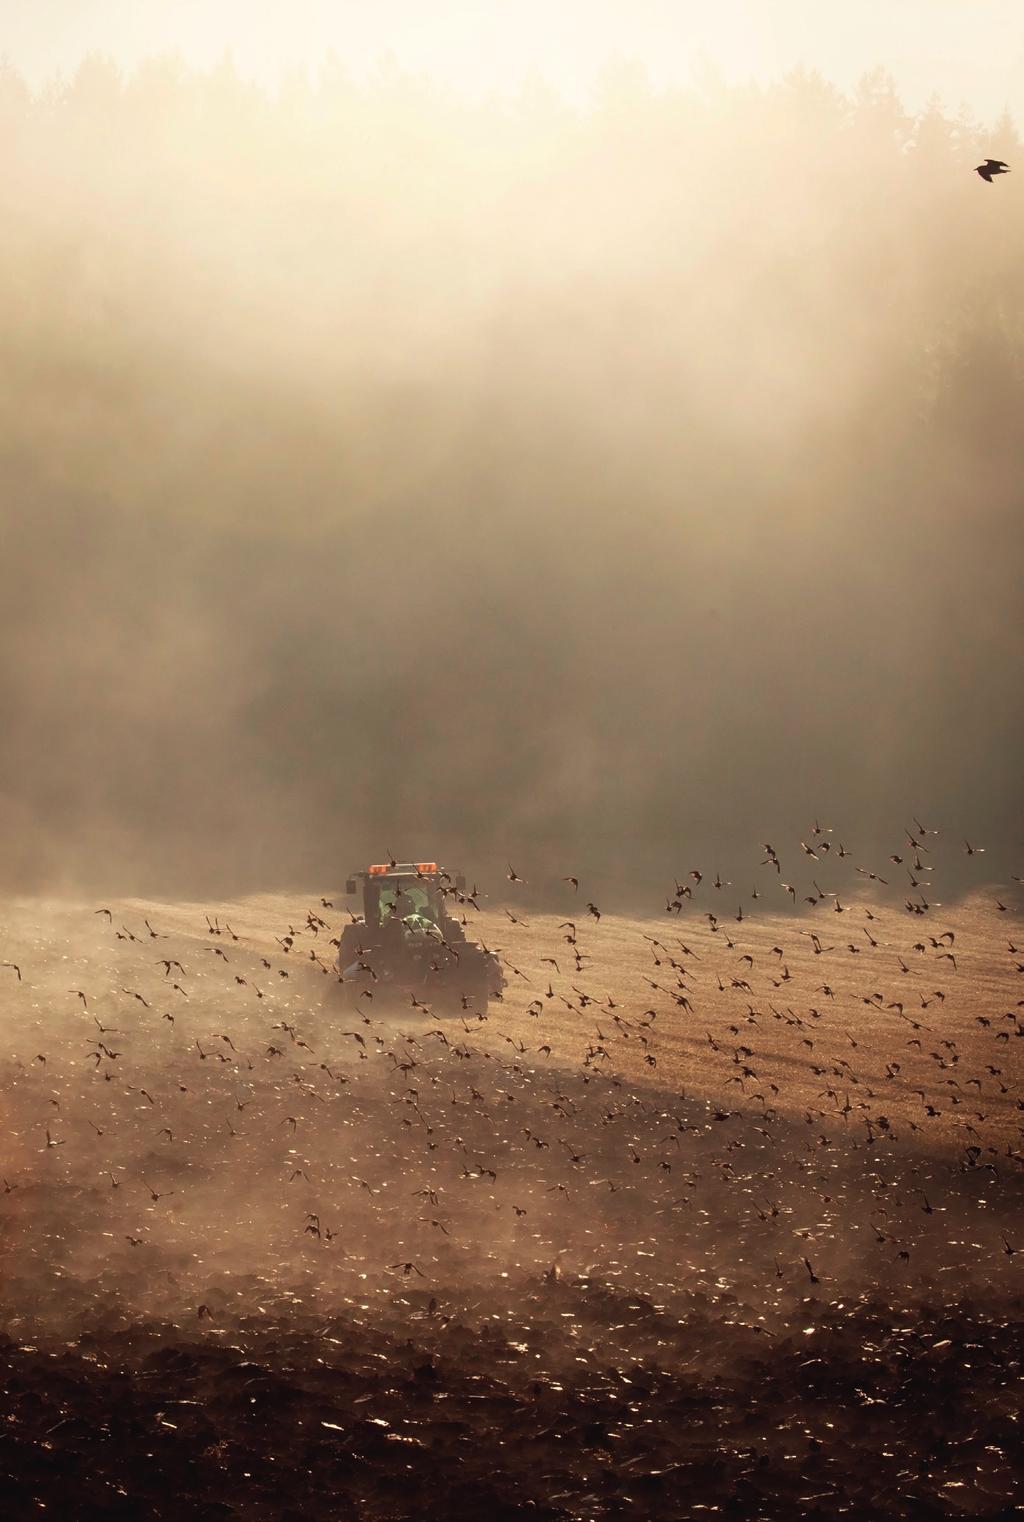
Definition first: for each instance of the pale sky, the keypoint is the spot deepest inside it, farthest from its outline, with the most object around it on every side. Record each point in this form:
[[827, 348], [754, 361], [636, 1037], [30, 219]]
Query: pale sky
[[968, 51]]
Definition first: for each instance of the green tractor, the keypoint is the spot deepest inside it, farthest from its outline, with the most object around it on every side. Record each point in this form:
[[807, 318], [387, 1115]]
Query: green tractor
[[407, 943]]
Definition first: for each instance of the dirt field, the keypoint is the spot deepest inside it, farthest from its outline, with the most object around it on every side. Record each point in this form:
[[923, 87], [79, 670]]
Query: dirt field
[[715, 1213]]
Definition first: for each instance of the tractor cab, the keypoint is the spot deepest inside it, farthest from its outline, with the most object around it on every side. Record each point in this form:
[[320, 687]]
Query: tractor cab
[[410, 894]]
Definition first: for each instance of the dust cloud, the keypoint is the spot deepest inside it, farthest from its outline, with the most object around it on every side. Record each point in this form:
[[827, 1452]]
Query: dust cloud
[[384, 471]]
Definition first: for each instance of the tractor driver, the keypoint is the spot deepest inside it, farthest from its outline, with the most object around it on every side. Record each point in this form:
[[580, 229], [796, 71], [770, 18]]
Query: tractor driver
[[415, 911]]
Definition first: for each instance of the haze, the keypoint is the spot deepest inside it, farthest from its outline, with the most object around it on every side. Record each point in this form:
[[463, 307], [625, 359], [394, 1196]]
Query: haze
[[608, 483], [579, 446]]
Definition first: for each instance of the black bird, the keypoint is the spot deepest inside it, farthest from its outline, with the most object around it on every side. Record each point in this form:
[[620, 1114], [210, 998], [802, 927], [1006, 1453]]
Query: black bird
[[992, 167]]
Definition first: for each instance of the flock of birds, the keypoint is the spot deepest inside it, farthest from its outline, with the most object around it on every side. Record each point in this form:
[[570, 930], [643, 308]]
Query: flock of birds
[[797, 1104]]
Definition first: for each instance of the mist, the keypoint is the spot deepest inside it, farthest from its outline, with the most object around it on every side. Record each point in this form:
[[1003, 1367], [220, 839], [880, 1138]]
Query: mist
[[609, 489]]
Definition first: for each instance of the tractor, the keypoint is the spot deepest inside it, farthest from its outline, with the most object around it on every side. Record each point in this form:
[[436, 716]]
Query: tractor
[[407, 943]]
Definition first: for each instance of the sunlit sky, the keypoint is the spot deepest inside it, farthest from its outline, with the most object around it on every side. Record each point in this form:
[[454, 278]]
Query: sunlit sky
[[969, 51]]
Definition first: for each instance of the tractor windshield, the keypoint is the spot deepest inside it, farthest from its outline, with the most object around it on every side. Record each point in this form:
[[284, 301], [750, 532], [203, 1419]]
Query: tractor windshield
[[402, 897]]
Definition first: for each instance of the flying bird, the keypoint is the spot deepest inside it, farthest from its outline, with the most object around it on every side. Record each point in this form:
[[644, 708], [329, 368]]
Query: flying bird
[[992, 167]]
